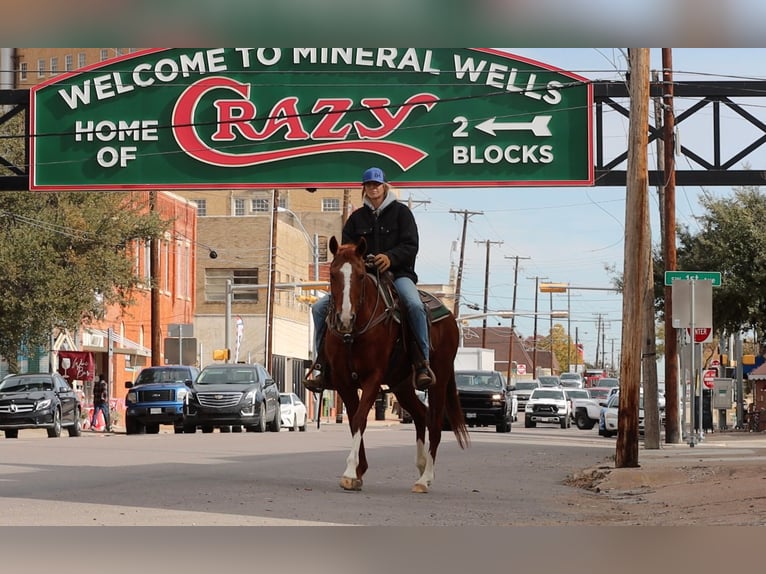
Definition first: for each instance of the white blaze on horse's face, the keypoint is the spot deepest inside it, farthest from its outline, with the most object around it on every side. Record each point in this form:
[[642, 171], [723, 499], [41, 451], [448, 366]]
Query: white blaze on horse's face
[[346, 314]]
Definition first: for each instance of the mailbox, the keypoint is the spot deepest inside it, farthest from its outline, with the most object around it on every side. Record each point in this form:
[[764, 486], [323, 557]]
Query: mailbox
[[723, 393]]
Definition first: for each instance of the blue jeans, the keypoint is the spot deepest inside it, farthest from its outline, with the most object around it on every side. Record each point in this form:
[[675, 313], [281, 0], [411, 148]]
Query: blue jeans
[[104, 408], [409, 296]]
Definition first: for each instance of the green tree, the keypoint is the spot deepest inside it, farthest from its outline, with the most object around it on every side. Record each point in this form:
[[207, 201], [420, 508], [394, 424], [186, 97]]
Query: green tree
[[64, 255]]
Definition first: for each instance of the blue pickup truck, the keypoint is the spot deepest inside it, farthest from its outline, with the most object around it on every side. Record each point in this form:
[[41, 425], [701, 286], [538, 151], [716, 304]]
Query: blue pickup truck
[[157, 398]]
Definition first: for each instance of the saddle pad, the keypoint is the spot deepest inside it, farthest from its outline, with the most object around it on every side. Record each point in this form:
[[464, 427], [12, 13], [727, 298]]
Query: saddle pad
[[436, 308]]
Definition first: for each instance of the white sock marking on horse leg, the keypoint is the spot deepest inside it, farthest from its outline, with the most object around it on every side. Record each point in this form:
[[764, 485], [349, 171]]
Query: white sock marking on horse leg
[[420, 456], [353, 457]]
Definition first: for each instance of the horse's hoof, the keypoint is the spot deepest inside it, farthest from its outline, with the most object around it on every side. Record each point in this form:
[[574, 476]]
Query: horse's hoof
[[418, 488], [347, 483]]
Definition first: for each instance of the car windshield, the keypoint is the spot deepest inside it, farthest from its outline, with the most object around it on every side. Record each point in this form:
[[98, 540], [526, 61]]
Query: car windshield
[[608, 382], [226, 376], [549, 381], [284, 399], [547, 394], [526, 385], [25, 384], [573, 376], [163, 375], [476, 380], [577, 393], [598, 393]]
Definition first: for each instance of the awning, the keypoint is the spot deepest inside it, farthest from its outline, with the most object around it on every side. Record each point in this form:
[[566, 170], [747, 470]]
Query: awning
[[96, 340], [758, 374]]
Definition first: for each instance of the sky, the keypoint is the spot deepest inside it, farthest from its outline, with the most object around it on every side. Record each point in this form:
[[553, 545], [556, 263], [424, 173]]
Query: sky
[[572, 235]]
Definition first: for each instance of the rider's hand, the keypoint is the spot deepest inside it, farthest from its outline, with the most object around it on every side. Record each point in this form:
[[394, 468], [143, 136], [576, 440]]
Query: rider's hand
[[382, 262]]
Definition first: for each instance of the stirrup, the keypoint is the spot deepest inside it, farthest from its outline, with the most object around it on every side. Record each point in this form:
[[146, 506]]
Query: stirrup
[[315, 380], [424, 377]]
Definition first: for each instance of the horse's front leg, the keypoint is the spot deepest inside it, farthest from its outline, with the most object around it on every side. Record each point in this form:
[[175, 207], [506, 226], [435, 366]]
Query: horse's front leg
[[356, 462]]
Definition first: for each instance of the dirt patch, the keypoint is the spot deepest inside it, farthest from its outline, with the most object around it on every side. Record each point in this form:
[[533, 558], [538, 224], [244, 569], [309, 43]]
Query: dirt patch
[[674, 494]]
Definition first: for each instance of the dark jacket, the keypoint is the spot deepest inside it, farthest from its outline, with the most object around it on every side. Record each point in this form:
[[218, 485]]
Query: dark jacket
[[391, 231], [99, 393]]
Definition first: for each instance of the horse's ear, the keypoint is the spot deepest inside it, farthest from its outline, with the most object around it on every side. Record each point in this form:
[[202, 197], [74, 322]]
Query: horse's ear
[[361, 247], [333, 245]]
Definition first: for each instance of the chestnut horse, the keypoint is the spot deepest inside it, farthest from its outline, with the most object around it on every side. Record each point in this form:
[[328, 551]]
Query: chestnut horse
[[365, 349]]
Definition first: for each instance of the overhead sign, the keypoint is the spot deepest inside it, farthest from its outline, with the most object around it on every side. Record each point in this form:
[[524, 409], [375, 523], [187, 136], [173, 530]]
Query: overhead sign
[[311, 117], [713, 276]]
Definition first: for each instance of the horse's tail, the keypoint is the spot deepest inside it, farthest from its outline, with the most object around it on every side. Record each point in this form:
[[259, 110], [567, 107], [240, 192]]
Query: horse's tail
[[455, 413]]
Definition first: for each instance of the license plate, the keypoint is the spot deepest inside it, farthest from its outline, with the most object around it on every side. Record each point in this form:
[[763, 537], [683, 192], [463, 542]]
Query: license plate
[[155, 411], [470, 415]]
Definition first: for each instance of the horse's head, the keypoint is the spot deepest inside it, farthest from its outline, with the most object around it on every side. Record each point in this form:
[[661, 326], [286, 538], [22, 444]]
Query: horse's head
[[347, 276]]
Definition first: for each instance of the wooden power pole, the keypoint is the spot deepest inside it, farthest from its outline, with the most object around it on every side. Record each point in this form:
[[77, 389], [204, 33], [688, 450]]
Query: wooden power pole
[[637, 254], [458, 282], [486, 291], [672, 433]]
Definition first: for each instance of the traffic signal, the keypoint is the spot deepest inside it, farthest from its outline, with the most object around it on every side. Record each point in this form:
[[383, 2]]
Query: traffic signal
[[221, 354]]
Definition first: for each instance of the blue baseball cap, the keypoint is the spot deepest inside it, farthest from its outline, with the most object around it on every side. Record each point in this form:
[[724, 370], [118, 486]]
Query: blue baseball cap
[[374, 174]]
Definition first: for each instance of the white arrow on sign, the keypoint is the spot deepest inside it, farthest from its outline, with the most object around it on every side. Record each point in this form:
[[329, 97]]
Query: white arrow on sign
[[538, 126]]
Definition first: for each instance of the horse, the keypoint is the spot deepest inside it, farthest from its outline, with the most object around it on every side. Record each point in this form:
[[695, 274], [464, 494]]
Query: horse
[[365, 347]]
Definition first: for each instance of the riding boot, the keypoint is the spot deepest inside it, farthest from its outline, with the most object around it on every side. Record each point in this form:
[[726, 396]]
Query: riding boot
[[317, 378], [423, 375]]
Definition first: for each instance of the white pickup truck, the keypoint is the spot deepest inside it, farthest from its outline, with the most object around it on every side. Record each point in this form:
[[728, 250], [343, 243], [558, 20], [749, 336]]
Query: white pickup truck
[[586, 413]]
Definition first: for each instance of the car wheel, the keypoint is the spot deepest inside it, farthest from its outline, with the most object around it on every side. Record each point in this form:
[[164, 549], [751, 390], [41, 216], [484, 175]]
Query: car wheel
[[76, 428], [565, 422], [529, 423], [55, 430], [12, 433], [583, 422], [276, 422], [261, 426], [294, 427], [302, 428]]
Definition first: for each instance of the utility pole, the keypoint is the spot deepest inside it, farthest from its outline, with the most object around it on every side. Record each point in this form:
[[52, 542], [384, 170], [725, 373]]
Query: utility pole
[[486, 291], [513, 312], [534, 335], [466, 214], [154, 274], [411, 203], [272, 281], [672, 434], [637, 254]]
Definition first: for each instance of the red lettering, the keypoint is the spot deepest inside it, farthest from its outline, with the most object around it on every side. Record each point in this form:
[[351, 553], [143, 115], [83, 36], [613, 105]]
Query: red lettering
[[390, 122], [326, 128]]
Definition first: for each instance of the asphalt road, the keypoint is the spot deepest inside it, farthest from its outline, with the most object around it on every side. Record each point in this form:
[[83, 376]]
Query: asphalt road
[[291, 478]]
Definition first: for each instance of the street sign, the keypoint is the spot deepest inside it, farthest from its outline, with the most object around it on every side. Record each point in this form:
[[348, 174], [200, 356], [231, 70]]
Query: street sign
[[713, 276], [684, 292], [709, 378], [191, 118], [701, 334], [521, 369]]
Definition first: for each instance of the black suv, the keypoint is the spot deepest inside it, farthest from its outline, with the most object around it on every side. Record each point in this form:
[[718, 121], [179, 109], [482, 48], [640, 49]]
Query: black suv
[[157, 398], [231, 396], [486, 399], [36, 401]]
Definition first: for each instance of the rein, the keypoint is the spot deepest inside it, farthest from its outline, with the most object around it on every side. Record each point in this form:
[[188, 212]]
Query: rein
[[374, 319]]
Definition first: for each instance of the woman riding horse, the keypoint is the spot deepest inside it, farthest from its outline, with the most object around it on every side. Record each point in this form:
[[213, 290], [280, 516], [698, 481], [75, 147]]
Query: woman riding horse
[[391, 235]]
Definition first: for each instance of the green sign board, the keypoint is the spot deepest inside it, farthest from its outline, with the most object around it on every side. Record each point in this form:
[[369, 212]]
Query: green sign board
[[196, 118], [713, 276]]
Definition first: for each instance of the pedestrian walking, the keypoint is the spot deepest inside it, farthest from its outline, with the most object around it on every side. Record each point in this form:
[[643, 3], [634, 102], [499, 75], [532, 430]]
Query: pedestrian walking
[[100, 403]]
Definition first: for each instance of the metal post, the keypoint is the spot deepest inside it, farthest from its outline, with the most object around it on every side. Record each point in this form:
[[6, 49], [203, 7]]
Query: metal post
[[227, 318], [692, 367]]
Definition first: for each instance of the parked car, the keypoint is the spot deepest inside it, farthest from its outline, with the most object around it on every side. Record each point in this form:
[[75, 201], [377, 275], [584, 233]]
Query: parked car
[[571, 380], [486, 399], [157, 398], [34, 401], [547, 405], [608, 427], [293, 412], [609, 382], [230, 396], [523, 390], [600, 394], [549, 381]]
